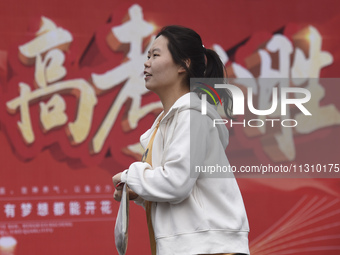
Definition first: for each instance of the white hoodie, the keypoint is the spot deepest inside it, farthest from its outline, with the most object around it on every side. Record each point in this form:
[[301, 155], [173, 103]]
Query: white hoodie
[[191, 213]]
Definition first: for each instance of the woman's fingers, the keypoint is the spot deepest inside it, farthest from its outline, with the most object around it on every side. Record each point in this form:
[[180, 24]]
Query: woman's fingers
[[132, 194], [116, 179], [117, 195]]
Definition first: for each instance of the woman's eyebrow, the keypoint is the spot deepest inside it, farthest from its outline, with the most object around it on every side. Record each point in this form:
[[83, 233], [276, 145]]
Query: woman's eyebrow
[[153, 50]]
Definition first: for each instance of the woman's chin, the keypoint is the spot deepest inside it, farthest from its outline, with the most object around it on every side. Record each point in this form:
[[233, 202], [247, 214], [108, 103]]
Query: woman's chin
[[149, 86]]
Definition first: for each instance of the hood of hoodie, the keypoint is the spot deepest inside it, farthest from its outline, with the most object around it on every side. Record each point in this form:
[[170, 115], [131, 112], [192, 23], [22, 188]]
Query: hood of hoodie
[[191, 101]]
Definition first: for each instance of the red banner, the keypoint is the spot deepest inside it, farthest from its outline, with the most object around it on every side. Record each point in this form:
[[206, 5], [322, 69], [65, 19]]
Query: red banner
[[73, 105]]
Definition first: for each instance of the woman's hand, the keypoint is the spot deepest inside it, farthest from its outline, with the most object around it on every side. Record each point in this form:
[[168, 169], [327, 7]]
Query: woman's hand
[[116, 179], [117, 195]]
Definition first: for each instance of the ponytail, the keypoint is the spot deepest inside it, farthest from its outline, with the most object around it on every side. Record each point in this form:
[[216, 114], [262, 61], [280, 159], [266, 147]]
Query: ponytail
[[216, 69]]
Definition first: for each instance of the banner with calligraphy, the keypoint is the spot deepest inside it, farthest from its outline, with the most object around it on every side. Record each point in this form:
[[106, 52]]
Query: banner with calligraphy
[[73, 105]]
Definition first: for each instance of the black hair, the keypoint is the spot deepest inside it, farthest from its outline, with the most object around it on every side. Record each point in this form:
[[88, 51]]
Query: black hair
[[186, 45]]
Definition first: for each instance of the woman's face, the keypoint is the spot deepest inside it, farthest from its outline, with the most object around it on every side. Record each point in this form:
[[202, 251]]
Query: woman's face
[[161, 72]]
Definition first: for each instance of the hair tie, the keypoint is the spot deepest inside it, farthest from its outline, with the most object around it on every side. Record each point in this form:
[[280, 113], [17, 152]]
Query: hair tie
[[205, 58], [204, 49]]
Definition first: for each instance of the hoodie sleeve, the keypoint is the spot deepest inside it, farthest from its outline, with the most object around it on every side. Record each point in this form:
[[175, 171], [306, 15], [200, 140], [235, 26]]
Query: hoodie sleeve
[[172, 182]]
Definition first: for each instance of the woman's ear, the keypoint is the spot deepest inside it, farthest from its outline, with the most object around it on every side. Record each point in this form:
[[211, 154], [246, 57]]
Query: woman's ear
[[182, 69]]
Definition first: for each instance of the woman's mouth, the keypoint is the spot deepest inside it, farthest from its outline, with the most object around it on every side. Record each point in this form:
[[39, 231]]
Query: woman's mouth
[[147, 75]]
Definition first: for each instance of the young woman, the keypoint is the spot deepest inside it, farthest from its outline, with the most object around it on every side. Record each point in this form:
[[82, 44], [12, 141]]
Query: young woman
[[187, 212]]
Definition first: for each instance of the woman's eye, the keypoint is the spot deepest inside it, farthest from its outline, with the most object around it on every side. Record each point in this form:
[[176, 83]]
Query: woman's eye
[[153, 55]]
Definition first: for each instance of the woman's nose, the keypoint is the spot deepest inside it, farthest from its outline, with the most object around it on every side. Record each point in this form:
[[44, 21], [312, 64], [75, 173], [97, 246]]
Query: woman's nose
[[147, 63]]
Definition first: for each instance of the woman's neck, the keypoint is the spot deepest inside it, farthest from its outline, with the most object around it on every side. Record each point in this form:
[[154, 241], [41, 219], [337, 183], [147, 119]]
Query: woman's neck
[[170, 97]]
